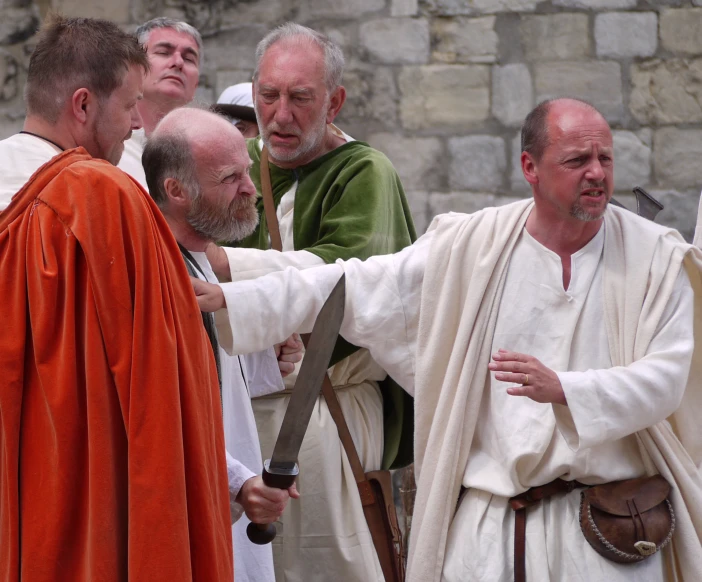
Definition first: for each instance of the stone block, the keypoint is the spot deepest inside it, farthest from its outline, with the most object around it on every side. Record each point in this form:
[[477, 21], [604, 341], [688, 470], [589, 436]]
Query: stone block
[[599, 82], [626, 34], [396, 40], [478, 162], [512, 93], [632, 161], [665, 92], [680, 209], [371, 99], [476, 7], [9, 83], [680, 30], [416, 159], [595, 4], [235, 14], [676, 157], [446, 96], [404, 7], [114, 10], [18, 23], [336, 9], [464, 40], [465, 202], [234, 48], [419, 208], [552, 37]]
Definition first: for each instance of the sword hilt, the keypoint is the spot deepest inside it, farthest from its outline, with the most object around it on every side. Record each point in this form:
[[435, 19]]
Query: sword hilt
[[264, 533]]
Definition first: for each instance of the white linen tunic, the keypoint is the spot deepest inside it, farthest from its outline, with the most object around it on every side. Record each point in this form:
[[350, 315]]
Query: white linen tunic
[[243, 377], [130, 162], [323, 535], [520, 443], [20, 156]]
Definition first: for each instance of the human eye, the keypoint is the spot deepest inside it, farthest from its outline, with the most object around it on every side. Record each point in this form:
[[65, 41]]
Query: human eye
[[231, 178]]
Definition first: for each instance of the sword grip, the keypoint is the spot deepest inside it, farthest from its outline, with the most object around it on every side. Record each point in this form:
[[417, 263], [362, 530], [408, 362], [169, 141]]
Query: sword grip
[[264, 533]]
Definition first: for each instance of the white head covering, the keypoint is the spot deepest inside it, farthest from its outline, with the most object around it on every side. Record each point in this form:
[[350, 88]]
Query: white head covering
[[239, 94]]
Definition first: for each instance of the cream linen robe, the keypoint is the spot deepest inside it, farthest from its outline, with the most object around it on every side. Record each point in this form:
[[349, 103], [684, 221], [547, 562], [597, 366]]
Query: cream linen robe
[[130, 162], [451, 346], [254, 374], [20, 156], [323, 535]]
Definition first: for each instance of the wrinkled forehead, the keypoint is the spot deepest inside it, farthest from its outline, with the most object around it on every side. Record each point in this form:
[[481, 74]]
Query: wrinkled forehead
[[578, 127]]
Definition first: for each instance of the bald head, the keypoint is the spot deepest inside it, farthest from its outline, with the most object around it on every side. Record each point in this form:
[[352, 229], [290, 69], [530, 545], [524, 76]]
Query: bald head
[[535, 131], [178, 144], [197, 169]]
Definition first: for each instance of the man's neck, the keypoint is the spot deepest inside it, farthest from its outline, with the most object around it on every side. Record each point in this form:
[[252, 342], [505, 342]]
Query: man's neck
[[57, 133], [186, 236], [563, 237], [331, 141], [153, 111]]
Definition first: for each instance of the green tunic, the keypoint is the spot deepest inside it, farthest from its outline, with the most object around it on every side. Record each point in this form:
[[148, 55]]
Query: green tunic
[[349, 203]]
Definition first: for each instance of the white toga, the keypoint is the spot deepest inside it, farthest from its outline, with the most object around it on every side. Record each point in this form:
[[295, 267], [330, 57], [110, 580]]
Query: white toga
[[519, 443]]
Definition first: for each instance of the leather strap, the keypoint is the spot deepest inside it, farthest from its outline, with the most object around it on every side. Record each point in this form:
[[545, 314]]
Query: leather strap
[[374, 509], [520, 503], [268, 204]]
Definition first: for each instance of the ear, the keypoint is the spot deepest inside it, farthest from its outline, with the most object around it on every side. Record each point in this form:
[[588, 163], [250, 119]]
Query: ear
[[176, 193], [336, 101], [82, 102], [529, 168]]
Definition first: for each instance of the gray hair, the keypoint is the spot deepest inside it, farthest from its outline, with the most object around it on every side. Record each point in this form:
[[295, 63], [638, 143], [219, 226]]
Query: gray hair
[[293, 32], [144, 31], [168, 155]]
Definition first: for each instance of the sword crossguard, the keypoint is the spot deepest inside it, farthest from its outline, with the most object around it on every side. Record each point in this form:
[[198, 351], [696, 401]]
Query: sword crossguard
[[264, 533]]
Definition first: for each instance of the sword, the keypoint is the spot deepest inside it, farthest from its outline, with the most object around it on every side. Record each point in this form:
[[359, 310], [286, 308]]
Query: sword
[[646, 205], [281, 469]]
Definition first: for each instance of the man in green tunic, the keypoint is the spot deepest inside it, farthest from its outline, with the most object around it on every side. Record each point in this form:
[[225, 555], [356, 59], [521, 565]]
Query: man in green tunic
[[336, 198]]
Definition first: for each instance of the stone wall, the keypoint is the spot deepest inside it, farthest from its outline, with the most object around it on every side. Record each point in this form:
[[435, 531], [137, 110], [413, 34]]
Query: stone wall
[[442, 85]]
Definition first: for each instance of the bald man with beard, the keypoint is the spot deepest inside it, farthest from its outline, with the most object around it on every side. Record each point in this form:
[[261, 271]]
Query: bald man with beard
[[197, 170]]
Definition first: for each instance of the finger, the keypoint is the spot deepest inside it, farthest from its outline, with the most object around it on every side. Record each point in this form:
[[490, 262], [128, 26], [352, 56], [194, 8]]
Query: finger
[[293, 492], [198, 286], [527, 391], [294, 357], [286, 368], [505, 355], [515, 378], [509, 366]]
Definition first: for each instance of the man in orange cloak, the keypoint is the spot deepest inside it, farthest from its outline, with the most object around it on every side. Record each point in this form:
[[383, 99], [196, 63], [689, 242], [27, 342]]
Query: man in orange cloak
[[112, 459]]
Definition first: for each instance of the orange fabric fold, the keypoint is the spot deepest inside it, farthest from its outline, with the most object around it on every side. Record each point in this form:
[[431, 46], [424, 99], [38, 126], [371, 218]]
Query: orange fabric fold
[[112, 459]]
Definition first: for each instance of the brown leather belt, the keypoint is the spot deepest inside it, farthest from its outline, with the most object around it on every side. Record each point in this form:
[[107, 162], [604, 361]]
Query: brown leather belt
[[520, 503]]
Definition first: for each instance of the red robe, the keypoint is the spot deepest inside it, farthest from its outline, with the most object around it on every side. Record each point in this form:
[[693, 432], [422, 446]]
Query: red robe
[[112, 460]]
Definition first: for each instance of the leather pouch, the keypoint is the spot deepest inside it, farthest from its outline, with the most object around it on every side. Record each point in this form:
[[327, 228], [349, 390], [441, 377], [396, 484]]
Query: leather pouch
[[628, 521]]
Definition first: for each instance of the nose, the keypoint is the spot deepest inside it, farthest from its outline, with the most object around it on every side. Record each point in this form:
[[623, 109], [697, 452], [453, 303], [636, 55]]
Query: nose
[[283, 112], [136, 121], [177, 60], [247, 187], [595, 171]]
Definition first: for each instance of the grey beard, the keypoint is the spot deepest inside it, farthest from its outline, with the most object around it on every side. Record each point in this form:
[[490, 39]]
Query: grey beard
[[579, 213], [221, 224]]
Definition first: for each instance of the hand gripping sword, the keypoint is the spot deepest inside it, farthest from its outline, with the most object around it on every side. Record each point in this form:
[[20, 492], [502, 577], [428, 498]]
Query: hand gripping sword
[[281, 469]]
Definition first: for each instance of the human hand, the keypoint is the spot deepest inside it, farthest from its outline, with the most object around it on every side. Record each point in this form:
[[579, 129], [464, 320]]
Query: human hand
[[209, 296], [538, 382], [264, 504], [217, 257], [288, 354]]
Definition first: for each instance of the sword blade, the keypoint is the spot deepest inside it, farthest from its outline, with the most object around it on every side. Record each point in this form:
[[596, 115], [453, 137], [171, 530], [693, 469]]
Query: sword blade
[[309, 381]]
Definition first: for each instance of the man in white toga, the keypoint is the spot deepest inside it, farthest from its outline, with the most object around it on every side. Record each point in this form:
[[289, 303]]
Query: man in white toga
[[583, 308]]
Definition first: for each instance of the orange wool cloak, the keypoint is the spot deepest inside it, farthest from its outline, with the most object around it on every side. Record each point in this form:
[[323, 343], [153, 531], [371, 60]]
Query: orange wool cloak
[[112, 460]]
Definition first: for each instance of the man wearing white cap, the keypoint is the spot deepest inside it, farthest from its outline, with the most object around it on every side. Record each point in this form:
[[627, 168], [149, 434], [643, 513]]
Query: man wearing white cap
[[236, 102]]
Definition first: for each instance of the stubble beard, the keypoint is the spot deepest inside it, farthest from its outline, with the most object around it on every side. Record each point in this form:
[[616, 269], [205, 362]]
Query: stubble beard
[[578, 211], [308, 143], [215, 222]]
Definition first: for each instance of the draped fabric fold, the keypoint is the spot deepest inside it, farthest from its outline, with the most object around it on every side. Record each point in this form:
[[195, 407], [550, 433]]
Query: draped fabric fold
[[112, 460], [462, 289]]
